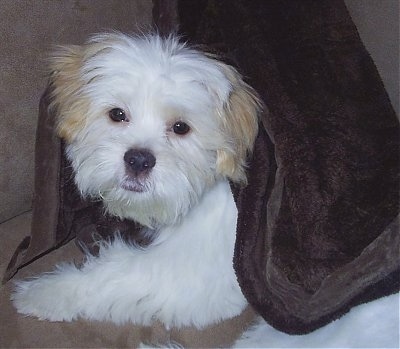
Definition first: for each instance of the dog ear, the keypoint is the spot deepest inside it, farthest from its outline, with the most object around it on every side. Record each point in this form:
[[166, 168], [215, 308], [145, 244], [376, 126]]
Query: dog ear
[[239, 117], [66, 84]]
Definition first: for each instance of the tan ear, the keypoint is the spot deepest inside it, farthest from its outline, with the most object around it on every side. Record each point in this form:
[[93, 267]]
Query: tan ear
[[240, 124], [66, 83]]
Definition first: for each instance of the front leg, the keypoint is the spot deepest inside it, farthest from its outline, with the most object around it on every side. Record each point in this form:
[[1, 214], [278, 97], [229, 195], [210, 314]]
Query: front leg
[[109, 287], [55, 296]]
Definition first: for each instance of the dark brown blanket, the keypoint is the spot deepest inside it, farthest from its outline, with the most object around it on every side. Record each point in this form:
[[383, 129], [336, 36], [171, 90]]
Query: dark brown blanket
[[317, 231], [316, 235]]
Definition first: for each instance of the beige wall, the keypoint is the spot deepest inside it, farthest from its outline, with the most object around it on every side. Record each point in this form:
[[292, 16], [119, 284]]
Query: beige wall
[[377, 22], [28, 29]]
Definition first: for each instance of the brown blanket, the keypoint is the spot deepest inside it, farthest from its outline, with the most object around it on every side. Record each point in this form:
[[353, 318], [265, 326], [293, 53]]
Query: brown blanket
[[317, 232]]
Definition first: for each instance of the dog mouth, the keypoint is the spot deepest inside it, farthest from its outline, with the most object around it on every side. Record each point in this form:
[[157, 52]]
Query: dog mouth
[[134, 185]]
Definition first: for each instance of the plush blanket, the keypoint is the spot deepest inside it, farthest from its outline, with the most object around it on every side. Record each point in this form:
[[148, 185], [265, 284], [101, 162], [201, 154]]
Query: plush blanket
[[317, 231]]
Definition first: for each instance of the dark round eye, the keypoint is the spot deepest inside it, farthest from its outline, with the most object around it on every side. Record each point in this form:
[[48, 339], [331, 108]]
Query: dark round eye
[[117, 114], [181, 128]]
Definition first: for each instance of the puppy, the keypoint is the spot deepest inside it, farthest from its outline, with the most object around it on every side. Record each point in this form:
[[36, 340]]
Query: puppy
[[156, 130]]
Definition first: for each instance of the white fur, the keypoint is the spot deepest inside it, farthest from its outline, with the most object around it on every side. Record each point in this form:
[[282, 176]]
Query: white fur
[[190, 283], [185, 277]]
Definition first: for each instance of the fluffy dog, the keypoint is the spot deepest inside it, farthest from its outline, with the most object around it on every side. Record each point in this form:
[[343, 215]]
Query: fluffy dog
[[156, 130]]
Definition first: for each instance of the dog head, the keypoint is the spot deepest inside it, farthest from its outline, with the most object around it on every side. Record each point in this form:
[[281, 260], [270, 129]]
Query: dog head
[[150, 123]]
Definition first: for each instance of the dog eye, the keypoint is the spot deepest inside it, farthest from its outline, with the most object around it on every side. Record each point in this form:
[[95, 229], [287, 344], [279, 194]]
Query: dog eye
[[181, 128], [117, 114]]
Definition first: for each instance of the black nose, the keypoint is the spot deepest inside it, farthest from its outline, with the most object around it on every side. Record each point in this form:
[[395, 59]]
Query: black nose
[[139, 160]]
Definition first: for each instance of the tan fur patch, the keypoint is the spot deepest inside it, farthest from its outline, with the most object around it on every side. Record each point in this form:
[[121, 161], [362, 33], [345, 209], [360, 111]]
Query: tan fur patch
[[66, 85], [69, 124], [68, 82], [71, 105], [240, 122]]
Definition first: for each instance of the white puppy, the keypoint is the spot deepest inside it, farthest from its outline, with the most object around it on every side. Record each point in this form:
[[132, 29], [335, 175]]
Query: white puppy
[[156, 130]]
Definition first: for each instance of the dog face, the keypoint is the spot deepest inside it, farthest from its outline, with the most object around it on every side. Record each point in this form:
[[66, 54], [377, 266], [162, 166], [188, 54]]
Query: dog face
[[150, 124]]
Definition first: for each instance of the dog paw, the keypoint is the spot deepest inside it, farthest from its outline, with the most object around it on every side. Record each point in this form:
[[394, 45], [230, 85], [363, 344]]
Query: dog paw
[[46, 297]]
